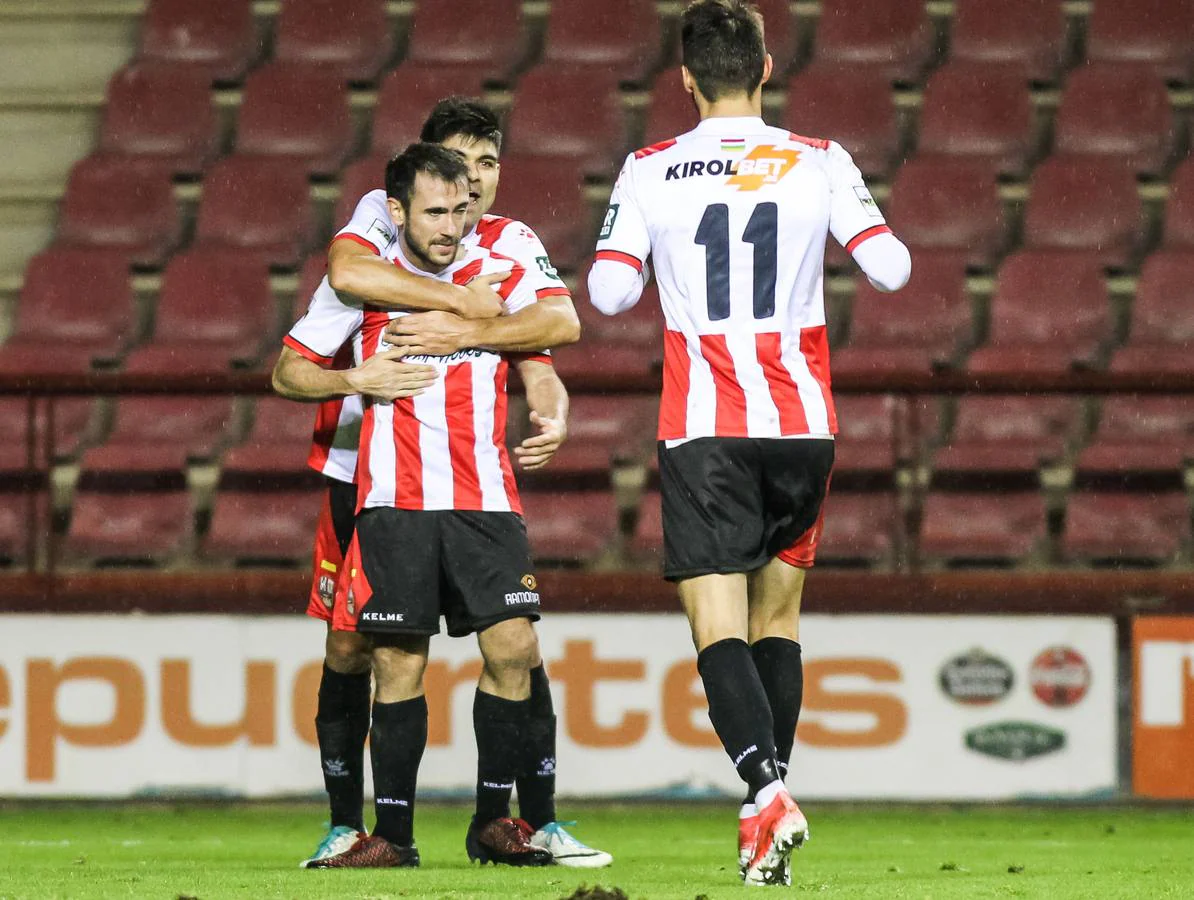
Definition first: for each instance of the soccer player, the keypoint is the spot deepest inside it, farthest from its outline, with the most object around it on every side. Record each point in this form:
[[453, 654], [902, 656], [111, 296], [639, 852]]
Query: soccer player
[[735, 215]]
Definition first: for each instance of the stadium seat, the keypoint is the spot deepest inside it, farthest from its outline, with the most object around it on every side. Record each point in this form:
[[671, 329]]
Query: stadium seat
[[602, 431], [1162, 326], [1118, 110], [276, 445], [214, 310], [548, 195], [569, 528], [20, 544], [407, 94], [1050, 312], [310, 275], [1154, 32], [258, 204], [1179, 210], [870, 437], [670, 109], [1012, 435], [646, 542], [75, 309], [1025, 34], [117, 525], [72, 417], [622, 36], [848, 103], [120, 203], [220, 36], [358, 178], [991, 528], [298, 112], [925, 325], [262, 527], [895, 36], [353, 39], [1085, 203], [483, 35], [569, 112], [1139, 435], [1119, 527], [630, 342], [161, 110], [980, 112], [161, 434], [859, 528], [948, 203]]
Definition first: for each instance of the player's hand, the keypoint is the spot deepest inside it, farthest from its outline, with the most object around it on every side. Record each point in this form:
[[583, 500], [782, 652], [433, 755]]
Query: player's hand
[[386, 377], [536, 451], [434, 333], [481, 301]]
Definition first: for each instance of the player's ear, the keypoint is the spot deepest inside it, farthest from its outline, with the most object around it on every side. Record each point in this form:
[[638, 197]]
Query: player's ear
[[689, 81], [396, 213], [767, 65]]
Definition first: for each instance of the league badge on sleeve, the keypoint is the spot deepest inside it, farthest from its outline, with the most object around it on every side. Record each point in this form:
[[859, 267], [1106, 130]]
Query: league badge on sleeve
[[868, 202], [607, 224], [380, 233]]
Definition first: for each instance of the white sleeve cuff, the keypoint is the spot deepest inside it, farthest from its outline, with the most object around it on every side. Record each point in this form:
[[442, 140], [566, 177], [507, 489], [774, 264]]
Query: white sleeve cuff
[[885, 261], [614, 286]]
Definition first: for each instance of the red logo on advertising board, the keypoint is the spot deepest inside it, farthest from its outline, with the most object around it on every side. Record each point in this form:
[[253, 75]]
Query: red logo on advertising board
[[1059, 676]]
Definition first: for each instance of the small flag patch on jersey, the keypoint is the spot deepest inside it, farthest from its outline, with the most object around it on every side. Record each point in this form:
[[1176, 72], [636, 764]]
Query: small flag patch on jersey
[[733, 145]]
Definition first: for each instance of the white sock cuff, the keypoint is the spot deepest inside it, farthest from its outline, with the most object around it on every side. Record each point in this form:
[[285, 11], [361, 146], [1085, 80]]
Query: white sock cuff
[[768, 793], [747, 811]]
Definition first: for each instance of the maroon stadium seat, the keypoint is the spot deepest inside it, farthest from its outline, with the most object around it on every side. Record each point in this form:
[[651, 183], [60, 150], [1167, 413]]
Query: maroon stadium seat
[[406, 95], [258, 204], [71, 422], [298, 112], [922, 326], [1118, 110], [670, 111], [622, 36], [122, 526], [1027, 34], [571, 112], [981, 112], [1050, 311], [569, 527], [277, 443], [1139, 435], [946, 203], [272, 527], [215, 308], [859, 527], [1124, 527], [630, 342], [1008, 434], [76, 306], [869, 437], [1087, 203], [602, 431], [159, 434], [122, 203], [484, 35], [1156, 32], [1179, 210], [19, 542], [646, 544], [219, 35], [548, 195], [310, 275], [850, 104], [1162, 316], [353, 38], [895, 36], [162, 110], [992, 528], [359, 178]]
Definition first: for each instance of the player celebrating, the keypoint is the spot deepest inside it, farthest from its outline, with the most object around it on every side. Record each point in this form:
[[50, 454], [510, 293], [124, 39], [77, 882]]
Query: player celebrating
[[735, 215]]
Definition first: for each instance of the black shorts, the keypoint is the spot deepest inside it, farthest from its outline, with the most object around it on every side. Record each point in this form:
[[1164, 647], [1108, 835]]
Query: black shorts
[[342, 501], [409, 567], [734, 504]]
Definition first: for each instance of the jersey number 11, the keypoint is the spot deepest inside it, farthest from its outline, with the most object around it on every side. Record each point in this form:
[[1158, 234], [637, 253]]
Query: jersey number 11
[[714, 235]]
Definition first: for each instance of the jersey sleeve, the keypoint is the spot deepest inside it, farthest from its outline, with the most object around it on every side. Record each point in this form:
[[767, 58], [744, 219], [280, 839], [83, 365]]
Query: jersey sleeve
[[624, 236], [520, 243], [370, 224], [854, 215], [325, 327]]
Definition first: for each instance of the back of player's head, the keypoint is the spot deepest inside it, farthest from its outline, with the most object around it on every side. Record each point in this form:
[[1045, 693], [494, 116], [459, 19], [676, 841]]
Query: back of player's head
[[464, 117], [430, 159], [723, 47]]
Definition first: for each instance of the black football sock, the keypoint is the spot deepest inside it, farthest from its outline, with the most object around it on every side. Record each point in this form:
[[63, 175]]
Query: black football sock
[[781, 670], [500, 727], [341, 725], [739, 710], [396, 746], [536, 781]]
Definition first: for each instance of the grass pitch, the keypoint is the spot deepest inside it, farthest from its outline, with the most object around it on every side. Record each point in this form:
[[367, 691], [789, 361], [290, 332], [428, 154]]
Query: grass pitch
[[213, 851]]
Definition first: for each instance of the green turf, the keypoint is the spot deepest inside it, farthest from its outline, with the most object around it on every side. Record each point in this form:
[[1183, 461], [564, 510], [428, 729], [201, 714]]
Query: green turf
[[212, 851]]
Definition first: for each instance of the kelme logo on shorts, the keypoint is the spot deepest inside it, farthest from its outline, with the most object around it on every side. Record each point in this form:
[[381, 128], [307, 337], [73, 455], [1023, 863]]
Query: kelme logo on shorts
[[1015, 741], [607, 224], [529, 582]]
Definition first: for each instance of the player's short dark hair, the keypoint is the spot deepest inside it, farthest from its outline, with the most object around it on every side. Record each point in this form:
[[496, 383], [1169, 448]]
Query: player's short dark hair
[[463, 116], [722, 41], [431, 159]]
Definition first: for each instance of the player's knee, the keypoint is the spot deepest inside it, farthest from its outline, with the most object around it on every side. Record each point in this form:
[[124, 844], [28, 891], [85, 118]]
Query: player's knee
[[398, 668], [510, 646], [347, 652]]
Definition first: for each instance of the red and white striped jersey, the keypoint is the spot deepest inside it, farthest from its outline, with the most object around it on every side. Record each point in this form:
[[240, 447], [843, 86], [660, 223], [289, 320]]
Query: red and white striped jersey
[[338, 422], [735, 215]]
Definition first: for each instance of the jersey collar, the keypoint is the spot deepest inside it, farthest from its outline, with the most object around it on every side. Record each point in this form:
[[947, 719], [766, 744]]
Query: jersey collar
[[729, 125]]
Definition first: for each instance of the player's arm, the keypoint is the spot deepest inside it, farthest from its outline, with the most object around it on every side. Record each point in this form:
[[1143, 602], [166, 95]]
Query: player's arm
[[858, 225], [550, 322], [382, 375], [620, 271], [548, 402]]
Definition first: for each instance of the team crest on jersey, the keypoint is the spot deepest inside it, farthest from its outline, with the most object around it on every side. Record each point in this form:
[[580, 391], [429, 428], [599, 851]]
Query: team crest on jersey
[[607, 224], [327, 590], [764, 165]]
